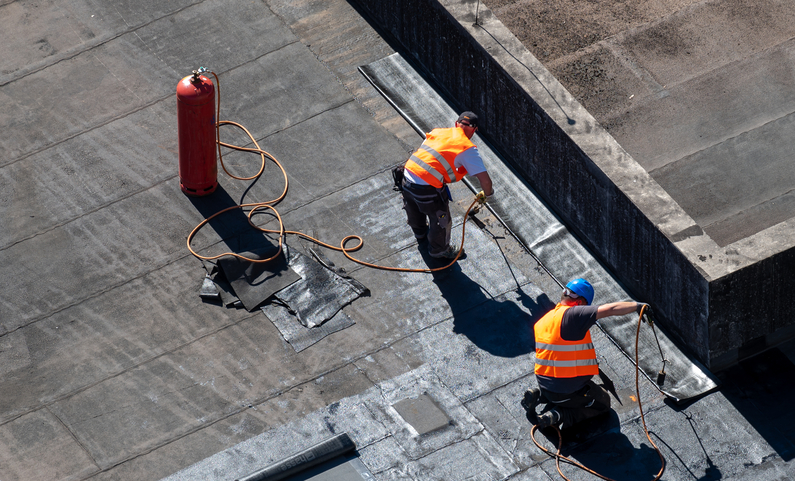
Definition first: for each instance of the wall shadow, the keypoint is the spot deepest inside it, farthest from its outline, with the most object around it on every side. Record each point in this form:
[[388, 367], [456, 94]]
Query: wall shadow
[[761, 389]]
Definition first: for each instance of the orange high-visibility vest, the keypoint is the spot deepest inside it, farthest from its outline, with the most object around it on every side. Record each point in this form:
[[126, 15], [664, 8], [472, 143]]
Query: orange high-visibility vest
[[556, 357], [434, 163]]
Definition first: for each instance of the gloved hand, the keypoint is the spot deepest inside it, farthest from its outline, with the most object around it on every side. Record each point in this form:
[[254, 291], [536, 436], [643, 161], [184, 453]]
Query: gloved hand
[[481, 198], [647, 315]]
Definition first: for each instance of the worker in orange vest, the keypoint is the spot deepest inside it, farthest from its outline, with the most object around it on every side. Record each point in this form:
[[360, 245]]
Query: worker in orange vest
[[446, 155], [566, 359]]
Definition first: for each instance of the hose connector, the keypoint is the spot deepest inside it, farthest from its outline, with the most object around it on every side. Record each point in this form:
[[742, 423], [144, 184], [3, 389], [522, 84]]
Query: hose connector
[[196, 74]]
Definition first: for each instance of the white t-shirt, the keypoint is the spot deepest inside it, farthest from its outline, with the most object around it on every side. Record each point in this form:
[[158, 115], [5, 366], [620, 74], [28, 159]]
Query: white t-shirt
[[469, 159]]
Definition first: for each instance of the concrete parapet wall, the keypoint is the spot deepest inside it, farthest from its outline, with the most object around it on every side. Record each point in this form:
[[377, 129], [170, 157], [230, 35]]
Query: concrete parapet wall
[[707, 296]]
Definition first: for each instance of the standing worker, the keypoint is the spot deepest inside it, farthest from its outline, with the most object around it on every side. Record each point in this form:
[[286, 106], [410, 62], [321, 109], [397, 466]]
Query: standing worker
[[566, 359], [444, 157]]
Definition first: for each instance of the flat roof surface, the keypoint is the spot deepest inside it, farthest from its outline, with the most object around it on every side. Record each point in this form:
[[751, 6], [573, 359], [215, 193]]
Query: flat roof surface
[[114, 368], [700, 93]]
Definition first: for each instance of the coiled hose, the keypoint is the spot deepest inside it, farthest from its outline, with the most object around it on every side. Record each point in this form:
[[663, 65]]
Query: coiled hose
[[255, 206]]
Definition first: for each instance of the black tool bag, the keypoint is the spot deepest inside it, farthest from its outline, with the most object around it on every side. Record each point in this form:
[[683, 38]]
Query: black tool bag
[[397, 176]]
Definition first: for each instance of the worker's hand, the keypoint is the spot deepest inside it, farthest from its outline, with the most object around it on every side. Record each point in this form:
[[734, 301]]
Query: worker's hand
[[647, 315], [481, 198]]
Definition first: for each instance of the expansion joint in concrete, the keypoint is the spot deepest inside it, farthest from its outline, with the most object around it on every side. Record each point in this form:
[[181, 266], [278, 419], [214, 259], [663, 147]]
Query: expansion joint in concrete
[[74, 438]]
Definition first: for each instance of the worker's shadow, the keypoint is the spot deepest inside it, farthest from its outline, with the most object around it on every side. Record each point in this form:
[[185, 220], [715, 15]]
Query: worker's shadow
[[501, 326]]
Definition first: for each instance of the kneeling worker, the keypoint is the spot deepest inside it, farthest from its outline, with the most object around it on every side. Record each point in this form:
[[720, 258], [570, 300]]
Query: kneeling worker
[[446, 156], [566, 359]]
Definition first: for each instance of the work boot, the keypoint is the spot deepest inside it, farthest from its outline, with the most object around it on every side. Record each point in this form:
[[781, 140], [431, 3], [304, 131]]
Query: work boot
[[449, 253], [530, 399], [549, 418]]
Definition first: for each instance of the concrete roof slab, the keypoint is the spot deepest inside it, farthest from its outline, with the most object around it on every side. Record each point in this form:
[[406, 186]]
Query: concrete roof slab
[[708, 109], [175, 394], [228, 33], [718, 183], [87, 172], [84, 344], [706, 35], [41, 436]]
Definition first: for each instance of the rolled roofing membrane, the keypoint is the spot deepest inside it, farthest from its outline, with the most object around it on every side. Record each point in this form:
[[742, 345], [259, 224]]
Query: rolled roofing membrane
[[534, 225]]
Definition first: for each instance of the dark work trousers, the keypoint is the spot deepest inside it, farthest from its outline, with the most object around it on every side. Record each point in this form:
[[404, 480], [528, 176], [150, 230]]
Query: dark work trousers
[[428, 206], [590, 401]]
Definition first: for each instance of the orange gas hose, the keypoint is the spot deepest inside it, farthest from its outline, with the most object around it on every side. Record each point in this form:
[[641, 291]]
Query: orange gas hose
[[270, 205], [559, 457]]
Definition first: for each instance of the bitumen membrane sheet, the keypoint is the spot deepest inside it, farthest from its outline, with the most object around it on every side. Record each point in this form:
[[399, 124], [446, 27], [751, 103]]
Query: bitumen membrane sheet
[[113, 367]]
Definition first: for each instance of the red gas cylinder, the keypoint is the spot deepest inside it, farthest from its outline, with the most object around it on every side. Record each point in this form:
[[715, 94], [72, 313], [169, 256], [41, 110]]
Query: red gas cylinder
[[198, 169]]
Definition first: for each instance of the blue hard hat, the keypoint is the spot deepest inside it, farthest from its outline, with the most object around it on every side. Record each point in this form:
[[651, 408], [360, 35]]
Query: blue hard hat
[[582, 288]]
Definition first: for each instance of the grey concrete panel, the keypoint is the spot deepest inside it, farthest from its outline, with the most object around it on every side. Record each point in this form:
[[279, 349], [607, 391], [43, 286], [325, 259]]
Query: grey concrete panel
[[707, 110], [720, 183], [37, 446], [707, 35], [104, 249], [88, 172], [88, 343], [422, 414], [70, 28], [174, 395]]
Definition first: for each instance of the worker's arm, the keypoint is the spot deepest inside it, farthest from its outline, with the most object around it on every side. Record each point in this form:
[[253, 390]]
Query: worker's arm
[[616, 309], [485, 183]]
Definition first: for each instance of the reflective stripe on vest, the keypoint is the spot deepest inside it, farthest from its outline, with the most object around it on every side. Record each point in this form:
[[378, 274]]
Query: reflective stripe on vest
[[434, 161], [556, 357]]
